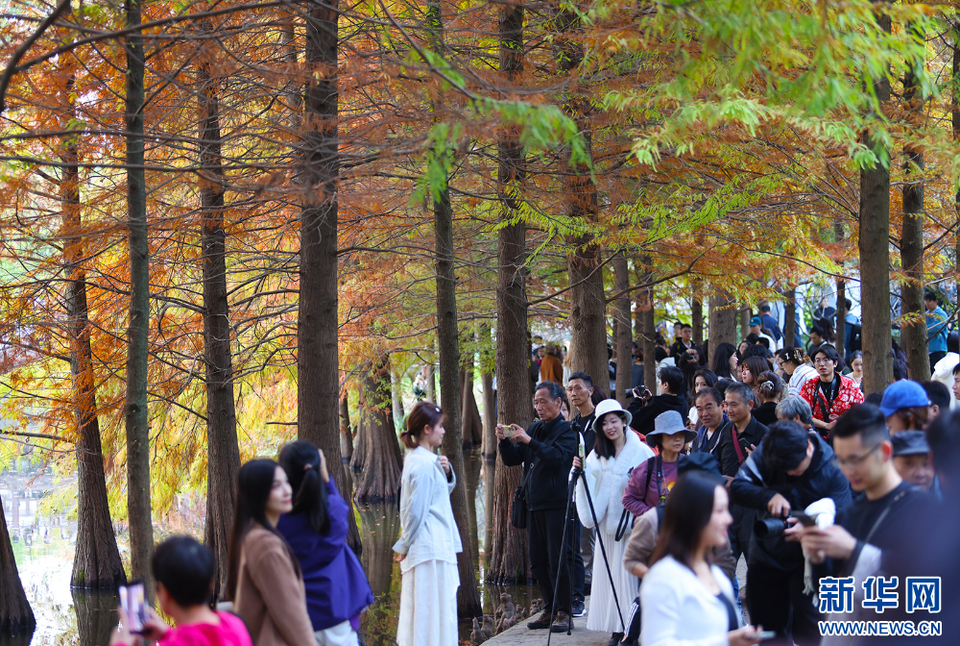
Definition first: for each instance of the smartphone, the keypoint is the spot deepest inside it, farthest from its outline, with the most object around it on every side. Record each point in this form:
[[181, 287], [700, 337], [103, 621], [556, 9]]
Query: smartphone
[[508, 432], [806, 521], [767, 634], [744, 445], [133, 601]]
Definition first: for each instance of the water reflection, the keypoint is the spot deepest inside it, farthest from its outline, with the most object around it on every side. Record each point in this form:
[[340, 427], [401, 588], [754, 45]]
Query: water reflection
[[44, 545]]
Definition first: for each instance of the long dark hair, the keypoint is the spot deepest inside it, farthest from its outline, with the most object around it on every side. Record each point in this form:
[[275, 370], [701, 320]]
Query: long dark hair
[[254, 484], [757, 367], [688, 512], [721, 360], [604, 446], [301, 461]]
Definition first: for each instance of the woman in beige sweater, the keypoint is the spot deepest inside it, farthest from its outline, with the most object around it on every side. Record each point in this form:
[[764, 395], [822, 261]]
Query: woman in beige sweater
[[264, 580]]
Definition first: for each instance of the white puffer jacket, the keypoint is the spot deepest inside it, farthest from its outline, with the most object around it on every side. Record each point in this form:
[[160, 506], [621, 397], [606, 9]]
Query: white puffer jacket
[[607, 478]]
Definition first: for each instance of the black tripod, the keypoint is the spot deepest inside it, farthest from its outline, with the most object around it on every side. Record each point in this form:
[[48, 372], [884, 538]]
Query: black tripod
[[574, 474]]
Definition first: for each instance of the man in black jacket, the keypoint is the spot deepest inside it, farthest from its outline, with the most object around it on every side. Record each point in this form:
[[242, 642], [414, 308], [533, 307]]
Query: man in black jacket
[[789, 470], [646, 407], [546, 449]]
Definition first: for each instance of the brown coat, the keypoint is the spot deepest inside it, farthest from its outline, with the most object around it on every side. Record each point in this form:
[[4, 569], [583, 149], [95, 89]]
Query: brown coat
[[270, 595], [551, 369], [643, 540]]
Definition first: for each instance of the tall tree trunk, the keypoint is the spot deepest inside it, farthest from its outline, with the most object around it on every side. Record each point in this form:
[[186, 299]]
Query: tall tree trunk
[[223, 451], [913, 327], [744, 315], [507, 547], [696, 313], [723, 321], [346, 433], [318, 368], [469, 411], [790, 316], [96, 561], [841, 316], [136, 419], [382, 464], [448, 337], [648, 332], [15, 613], [875, 258], [622, 341], [396, 392], [487, 363], [955, 123]]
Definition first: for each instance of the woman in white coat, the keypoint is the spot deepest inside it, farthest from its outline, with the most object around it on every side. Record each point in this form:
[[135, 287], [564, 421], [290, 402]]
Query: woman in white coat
[[617, 450], [429, 540], [684, 600]]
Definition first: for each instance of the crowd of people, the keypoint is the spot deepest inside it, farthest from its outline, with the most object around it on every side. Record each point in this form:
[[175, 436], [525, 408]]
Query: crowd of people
[[773, 454]]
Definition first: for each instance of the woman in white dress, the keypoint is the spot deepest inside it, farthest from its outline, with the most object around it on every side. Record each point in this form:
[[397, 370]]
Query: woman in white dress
[[429, 540], [684, 599], [617, 450]]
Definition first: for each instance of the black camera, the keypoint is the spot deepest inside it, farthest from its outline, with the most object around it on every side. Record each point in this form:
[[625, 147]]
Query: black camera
[[770, 527]]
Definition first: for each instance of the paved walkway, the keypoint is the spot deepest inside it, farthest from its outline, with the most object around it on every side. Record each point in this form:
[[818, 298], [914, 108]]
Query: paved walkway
[[520, 635]]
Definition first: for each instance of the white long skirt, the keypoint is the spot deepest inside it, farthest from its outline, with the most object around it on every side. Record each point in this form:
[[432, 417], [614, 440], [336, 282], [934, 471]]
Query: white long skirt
[[428, 605], [603, 611]]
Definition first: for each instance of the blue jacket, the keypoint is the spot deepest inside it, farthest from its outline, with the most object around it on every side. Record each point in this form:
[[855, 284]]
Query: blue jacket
[[937, 330], [756, 484], [337, 588]]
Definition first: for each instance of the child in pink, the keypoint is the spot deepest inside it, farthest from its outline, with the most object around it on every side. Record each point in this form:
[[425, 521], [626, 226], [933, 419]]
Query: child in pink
[[184, 571]]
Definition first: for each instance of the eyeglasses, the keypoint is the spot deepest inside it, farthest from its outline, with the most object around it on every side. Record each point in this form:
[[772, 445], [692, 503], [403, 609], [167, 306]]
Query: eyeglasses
[[855, 461], [821, 362]]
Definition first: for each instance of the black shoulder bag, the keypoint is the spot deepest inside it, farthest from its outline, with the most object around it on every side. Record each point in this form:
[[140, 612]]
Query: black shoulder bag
[[518, 511], [826, 402]]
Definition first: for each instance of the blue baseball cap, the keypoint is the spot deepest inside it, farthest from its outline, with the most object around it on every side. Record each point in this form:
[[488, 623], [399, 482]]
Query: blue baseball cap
[[903, 394], [756, 320]]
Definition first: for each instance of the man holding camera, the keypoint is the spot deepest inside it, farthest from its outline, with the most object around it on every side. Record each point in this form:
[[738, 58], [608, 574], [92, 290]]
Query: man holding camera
[[645, 407], [789, 470], [545, 449]]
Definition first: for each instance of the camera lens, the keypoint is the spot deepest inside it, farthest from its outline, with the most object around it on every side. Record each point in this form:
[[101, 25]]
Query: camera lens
[[768, 527]]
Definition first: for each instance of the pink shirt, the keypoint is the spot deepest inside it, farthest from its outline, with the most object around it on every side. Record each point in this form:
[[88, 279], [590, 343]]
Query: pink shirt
[[230, 632]]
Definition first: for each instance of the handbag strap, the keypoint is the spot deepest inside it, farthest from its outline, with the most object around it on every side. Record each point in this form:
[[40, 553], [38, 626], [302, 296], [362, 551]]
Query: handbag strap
[[736, 442]]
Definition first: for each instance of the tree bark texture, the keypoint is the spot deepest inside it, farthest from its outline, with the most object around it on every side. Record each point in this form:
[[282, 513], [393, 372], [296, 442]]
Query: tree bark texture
[[16, 616], [346, 433], [588, 324], [790, 316], [487, 360], [913, 327], [744, 315], [223, 451], [469, 411], [96, 562], [874, 248], [468, 596], [723, 321], [136, 419], [507, 546], [696, 315], [379, 478], [622, 342], [648, 325]]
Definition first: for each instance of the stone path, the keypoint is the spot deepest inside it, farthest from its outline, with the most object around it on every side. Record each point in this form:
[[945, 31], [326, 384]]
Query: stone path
[[520, 635]]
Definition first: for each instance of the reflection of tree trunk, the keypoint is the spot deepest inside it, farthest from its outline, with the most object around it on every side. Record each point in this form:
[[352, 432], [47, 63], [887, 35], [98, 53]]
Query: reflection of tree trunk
[[223, 452], [469, 413], [96, 616], [489, 488], [15, 612], [381, 528], [471, 469], [382, 463], [96, 562], [346, 434]]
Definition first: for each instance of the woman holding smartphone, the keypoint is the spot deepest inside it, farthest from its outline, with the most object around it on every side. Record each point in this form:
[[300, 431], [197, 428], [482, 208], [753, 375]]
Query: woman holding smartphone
[[429, 539], [264, 580], [685, 599]]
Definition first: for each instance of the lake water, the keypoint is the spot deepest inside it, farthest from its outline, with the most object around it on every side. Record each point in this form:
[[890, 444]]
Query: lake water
[[43, 544]]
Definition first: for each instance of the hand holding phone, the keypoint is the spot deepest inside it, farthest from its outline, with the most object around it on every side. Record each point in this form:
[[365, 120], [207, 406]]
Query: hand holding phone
[[134, 605]]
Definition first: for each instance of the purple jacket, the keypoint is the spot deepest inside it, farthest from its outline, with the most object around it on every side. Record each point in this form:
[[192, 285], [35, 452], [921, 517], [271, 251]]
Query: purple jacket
[[337, 588]]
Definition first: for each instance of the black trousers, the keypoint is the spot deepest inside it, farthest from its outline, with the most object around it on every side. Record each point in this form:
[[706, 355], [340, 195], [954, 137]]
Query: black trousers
[[934, 358], [545, 532], [776, 601]]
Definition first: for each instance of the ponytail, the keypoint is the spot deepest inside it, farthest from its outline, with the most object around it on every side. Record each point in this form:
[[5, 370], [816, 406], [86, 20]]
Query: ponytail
[[301, 461]]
